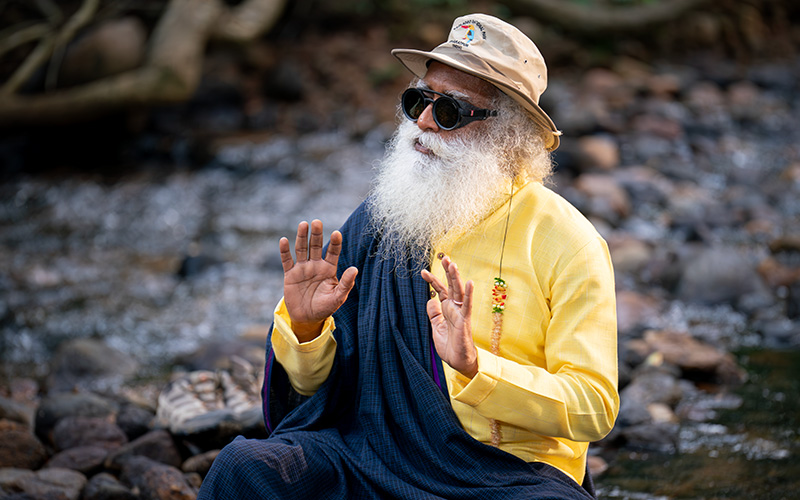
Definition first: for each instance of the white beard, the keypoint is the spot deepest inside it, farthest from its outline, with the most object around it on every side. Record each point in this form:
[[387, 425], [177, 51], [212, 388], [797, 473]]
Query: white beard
[[418, 199]]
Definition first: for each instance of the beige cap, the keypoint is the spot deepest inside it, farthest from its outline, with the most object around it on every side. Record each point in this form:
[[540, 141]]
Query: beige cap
[[492, 49]]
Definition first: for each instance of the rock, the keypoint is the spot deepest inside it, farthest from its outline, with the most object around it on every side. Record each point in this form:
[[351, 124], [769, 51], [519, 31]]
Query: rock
[[15, 411], [696, 359], [134, 420], [607, 198], [87, 460], [661, 437], [55, 407], [661, 413], [597, 466], [598, 152], [19, 447], [88, 364], [636, 311], [156, 445], [12, 479], [71, 432], [629, 255], [776, 274], [200, 463], [653, 384], [110, 48], [717, 275], [105, 486], [156, 481], [55, 484]]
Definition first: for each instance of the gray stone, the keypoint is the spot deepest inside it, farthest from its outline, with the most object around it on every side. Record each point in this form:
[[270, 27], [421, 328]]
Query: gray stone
[[87, 460], [57, 406], [105, 486], [89, 364], [70, 432], [156, 445]]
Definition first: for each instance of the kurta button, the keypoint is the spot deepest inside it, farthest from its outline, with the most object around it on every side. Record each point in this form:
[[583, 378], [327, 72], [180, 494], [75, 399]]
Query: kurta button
[[433, 293], [440, 255]]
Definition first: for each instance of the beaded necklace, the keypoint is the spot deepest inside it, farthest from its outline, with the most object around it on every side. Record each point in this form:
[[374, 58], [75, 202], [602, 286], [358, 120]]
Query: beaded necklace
[[499, 295]]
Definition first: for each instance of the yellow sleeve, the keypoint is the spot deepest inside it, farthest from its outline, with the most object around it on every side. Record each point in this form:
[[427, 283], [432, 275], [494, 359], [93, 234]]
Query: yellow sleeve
[[575, 395], [308, 364]]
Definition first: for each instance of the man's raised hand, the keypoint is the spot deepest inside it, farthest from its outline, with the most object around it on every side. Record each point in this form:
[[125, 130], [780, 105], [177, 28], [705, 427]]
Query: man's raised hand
[[311, 290], [450, 316]]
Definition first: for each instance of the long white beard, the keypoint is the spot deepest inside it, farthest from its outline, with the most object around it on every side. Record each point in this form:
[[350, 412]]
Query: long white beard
[[418, 199]]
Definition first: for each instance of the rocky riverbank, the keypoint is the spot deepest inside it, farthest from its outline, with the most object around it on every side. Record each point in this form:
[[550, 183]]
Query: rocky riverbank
[[113, 285]]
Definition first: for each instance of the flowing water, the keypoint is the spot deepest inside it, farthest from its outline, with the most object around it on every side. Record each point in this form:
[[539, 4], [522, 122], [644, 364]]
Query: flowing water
[[748, 452]]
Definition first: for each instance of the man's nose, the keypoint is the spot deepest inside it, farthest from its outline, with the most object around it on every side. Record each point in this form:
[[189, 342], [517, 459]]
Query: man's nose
[[425, 122]]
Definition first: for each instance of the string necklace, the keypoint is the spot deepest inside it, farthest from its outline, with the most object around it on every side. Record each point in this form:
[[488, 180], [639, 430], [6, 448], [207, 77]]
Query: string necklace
[[499, 295]]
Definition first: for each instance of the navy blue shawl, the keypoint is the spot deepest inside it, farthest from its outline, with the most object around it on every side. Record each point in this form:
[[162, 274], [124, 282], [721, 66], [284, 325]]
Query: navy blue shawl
[[382, 425]]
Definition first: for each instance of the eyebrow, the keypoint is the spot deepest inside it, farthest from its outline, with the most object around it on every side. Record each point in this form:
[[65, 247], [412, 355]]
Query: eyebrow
[[452, 93]]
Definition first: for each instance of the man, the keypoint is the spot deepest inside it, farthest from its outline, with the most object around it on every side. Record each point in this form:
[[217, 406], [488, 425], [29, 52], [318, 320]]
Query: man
[[457, 338]]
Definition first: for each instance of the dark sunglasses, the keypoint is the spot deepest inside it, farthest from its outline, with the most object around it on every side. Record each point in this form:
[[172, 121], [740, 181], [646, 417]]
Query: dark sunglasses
[[448, 113]]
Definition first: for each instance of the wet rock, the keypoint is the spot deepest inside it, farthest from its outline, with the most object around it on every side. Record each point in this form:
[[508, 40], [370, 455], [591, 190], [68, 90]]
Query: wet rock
[[88, 364], [110, 48], [134, 420], [717, 275], [156, 480], [200, 463], [55, 407], [156, 445], [87, 460], [105, 486], [19, 447], [598, 152], [661, 437], [652, 384], [697, 360], [71, 432]]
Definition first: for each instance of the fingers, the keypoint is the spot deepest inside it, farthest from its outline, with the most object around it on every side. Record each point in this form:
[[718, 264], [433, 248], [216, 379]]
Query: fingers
[[346, 282], [455, 287], [334, 248], [316, 242], [286, 254], [301, 242], [437, 285]]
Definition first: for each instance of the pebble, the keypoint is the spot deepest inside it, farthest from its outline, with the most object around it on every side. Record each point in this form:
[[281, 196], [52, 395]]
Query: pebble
[[19, 447]]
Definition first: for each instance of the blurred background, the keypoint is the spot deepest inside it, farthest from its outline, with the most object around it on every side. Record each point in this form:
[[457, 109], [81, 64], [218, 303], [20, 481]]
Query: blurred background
[[153, 152]]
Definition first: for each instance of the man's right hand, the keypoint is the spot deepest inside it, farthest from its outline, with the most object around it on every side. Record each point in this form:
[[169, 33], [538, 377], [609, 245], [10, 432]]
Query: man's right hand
[[311, 291]]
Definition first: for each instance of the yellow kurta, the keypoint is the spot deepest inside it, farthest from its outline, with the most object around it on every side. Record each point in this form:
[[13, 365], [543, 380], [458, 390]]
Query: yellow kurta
[[553, 388]]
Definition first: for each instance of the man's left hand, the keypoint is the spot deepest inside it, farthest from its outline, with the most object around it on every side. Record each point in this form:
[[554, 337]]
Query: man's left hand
[[450, 316]]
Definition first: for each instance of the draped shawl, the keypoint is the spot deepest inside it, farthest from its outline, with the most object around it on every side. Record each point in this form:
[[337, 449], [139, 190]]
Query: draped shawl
[[382, 425]]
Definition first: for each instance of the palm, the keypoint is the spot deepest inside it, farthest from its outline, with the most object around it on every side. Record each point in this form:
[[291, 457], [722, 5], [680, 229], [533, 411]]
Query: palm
[[450, 317], [311, 290]]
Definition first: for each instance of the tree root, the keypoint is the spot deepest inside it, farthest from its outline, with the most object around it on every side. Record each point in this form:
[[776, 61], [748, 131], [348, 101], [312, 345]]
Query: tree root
[[171, 72]]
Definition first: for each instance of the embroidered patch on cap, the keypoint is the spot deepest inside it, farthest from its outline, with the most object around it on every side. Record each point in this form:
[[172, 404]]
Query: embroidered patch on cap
[[467, 32]]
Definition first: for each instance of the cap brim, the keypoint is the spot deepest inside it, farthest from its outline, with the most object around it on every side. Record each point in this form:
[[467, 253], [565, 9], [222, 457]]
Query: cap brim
[[417, 62]]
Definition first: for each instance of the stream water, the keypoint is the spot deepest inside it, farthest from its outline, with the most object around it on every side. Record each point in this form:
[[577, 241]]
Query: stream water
[[748, 452]]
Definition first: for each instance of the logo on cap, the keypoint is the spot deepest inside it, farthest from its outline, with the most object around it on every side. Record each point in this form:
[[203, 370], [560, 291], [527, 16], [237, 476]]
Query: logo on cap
[[467, 32]]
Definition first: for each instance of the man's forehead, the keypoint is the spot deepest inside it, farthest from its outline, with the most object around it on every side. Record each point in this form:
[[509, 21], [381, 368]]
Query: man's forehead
[[451, 81]]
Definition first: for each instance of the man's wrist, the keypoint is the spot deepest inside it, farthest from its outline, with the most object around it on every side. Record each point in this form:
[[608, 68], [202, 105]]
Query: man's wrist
[[306, 332]]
